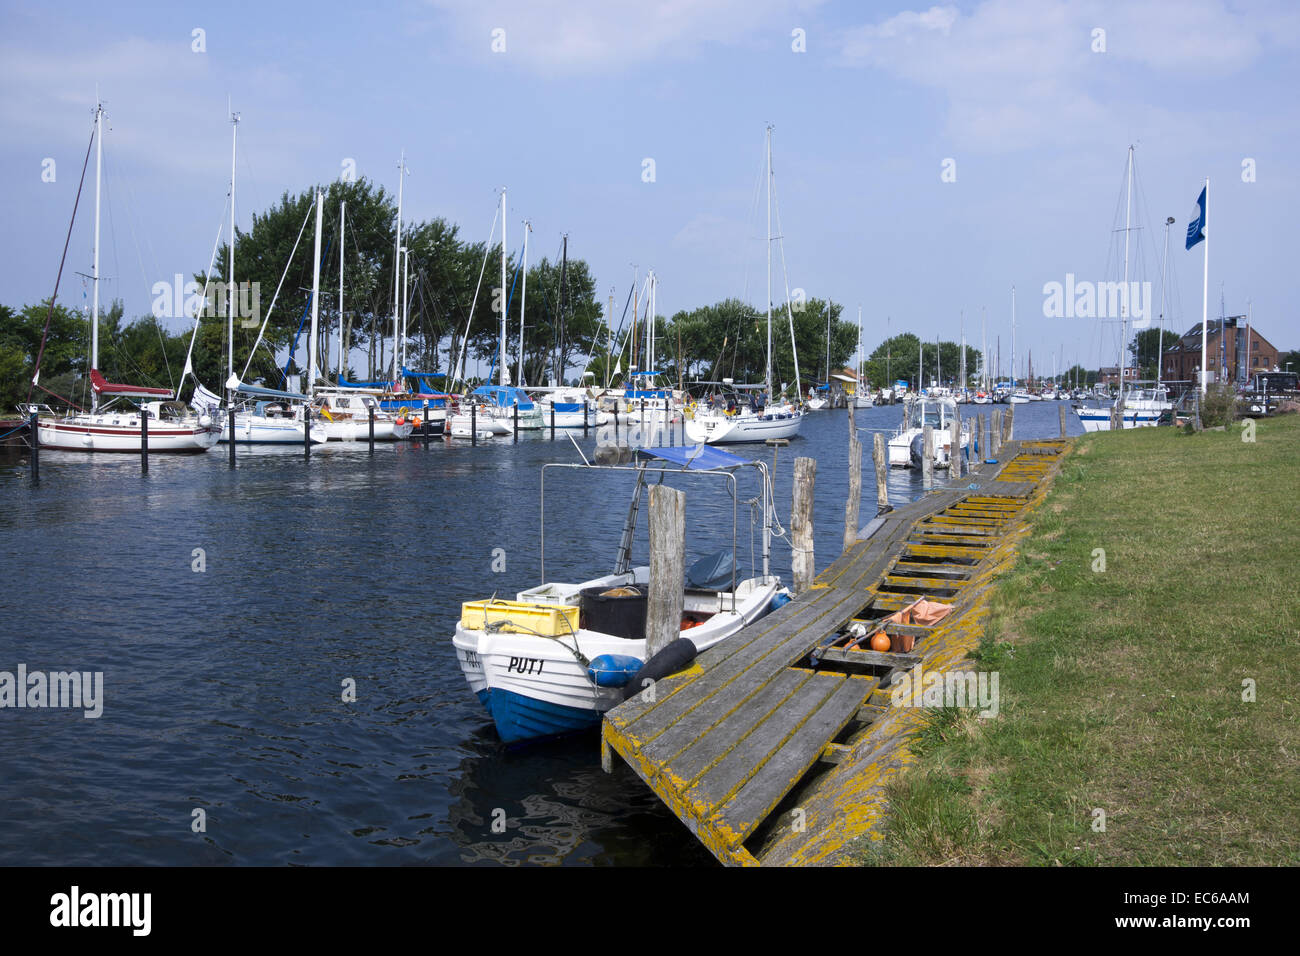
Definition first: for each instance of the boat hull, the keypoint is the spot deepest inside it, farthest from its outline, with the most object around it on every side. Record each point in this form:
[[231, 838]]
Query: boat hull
[[725, 429], [535, 687], [100, 433]]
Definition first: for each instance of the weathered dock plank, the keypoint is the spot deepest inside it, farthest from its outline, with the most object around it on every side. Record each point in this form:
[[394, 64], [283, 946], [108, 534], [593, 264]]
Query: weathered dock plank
[[726, 741]]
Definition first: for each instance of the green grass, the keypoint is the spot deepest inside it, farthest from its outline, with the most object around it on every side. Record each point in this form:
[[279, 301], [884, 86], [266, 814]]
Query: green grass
[[1121, 690]]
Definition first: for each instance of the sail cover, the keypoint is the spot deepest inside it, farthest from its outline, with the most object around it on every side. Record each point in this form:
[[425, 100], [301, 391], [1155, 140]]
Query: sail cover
[[701, 458], [102, 387]]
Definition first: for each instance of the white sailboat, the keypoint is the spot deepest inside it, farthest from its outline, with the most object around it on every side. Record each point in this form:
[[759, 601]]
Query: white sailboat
[[171, 427], [763, 419], [1139, 407], [263, 416]]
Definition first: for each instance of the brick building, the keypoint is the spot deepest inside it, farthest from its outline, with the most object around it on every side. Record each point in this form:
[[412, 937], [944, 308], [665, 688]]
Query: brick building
[[1226, 352]]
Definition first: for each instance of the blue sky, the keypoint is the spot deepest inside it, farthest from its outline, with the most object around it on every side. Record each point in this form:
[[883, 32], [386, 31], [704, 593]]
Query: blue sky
[[1035, 120]]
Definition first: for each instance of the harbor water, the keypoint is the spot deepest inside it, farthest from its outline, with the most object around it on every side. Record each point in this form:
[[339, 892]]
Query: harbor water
[[232, 613]]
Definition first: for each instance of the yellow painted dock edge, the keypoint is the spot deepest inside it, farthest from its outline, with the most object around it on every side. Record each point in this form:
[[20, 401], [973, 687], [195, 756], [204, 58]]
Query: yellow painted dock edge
[[849, 801]]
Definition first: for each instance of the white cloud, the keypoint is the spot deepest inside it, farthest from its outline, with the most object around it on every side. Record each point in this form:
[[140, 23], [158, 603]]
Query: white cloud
[[1021, 73], [582, 35]]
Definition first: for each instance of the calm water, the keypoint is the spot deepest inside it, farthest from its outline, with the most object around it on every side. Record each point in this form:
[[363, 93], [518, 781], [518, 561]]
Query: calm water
[[223, 688]]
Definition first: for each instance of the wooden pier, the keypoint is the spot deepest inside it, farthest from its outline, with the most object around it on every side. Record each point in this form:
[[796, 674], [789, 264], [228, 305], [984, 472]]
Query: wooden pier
[[772, 757]]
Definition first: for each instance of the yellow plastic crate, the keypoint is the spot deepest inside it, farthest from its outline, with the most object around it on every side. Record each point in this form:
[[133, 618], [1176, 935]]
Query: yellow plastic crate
[[517, 617]]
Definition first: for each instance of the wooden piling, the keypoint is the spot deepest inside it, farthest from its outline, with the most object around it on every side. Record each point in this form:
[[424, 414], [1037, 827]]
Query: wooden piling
[[1061, 413], [667, 567], [473, 423], [144, 441], [306, 431], [801, 523], [853, 506], [981, 449], [954, 447], [552, 421], [1009, 423], [584, 418], [230, 436], [33, 430], [424, 423], [516, 421], [927, 454], [995, 433], [372, 429], [881, 461]]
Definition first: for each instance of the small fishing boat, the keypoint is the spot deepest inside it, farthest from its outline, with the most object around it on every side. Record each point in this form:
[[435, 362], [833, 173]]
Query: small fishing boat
[[905, 448], [553, 660]]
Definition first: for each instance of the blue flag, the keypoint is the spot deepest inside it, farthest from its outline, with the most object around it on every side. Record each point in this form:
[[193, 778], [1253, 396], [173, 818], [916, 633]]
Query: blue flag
[[1196, 228]]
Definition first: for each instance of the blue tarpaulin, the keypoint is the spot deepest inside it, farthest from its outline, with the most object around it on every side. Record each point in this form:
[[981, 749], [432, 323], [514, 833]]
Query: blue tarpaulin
[[702, 458]]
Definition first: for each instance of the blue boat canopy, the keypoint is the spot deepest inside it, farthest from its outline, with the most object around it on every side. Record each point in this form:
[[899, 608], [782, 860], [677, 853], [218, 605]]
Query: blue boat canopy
[[702, 458], [505, 396], [260, 392]]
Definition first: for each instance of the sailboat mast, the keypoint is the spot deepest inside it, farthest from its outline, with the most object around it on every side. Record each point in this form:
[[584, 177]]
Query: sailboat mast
[[768, 374], [315, 302], [984, 347], [501, 362], [523, 299], [963, 351], [406, 302], [1160, 345], [397, 262], [94, 309], [1013, 338], [343, 215], [230, 259], [1123, 335], [650, 328]]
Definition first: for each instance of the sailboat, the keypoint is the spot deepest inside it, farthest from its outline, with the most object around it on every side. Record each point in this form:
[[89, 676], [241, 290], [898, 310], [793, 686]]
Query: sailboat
[[762, 418], [1018, 395], [262, 416], [1138, 407], [171, 427]]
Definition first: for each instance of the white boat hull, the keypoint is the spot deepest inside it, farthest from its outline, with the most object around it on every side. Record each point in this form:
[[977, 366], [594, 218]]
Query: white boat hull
[[260, 430], [536, 687], [121, 433], [717, 429]]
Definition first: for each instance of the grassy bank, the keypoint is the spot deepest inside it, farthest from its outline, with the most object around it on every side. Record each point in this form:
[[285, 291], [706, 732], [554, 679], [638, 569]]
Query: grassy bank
[[1122, 689]]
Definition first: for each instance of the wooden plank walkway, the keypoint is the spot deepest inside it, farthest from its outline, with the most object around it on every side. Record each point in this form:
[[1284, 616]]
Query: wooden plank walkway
[[726, 741]]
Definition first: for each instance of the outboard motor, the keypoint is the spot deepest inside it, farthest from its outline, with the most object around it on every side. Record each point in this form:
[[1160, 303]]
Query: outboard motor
[[917, 451]]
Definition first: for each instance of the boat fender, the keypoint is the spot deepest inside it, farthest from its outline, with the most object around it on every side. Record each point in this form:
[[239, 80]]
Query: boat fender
[[779, 599], [613, 670], [667, 662]]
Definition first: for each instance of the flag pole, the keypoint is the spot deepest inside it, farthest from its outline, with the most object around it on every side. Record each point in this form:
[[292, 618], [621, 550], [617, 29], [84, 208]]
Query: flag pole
[[1205, 291]]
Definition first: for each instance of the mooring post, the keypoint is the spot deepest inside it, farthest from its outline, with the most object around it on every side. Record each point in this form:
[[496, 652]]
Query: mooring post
[[667, 567], [552, 421], [516, 421], [1009, 423], [1061, 414], [853, 506], [981, 446], [473, 424], [954, 447], [881, 462], [584, 418], [801, 523], [372, 429], [230, 435], [927, 454], [144, 441], [306, 432], [424, 423], [35, 433], [995, 432]]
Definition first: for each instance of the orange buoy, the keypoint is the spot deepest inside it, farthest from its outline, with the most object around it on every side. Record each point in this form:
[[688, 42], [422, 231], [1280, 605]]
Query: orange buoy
[[881, 642]]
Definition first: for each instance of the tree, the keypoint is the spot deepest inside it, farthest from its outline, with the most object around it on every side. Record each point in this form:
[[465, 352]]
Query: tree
[[1146, 349]]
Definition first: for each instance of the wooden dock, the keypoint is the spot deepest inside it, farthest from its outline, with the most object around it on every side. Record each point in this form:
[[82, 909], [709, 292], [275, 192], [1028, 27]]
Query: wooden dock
[[755, 726]]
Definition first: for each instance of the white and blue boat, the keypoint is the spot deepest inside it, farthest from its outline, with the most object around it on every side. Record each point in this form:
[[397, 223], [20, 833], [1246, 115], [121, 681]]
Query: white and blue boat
[[553, 660]]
